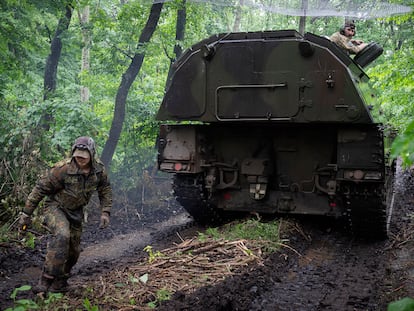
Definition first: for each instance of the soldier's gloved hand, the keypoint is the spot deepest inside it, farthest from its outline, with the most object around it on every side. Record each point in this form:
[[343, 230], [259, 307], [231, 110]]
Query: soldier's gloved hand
[[104, 220], [25, 220]]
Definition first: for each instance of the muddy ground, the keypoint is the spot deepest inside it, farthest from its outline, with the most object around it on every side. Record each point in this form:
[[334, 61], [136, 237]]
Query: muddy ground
[[321, 269]]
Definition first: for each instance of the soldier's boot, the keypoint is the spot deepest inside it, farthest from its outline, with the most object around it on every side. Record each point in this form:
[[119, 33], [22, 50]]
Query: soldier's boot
[[44, 284], [59, 284]]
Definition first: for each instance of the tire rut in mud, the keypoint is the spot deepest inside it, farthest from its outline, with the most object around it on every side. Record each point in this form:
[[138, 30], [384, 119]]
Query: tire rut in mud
[[102, 250], [334, 271], [322, 269], [331, 272]]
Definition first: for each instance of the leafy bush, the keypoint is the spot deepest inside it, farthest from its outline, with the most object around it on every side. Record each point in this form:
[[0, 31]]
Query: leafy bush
[[27, 149], [394, 82], [405, 304], [403, 145], [22, 304]]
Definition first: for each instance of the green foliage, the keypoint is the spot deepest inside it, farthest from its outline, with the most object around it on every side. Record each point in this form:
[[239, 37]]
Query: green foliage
[[209, 233], [152, 256], [161, 295], [202, 237], [18, 152], [403, 145], [27, 150], [214, 233], [29, 240], [394, 82], [88, 306], [48, 303], [22, 304], [114, 29], [405, 304], [23, 39], [72, 119], [4, 230], [264, 233], [51, 301]]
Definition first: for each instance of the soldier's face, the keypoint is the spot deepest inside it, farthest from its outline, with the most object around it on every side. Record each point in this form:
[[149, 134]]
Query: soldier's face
[[83, 162], [349, 32]]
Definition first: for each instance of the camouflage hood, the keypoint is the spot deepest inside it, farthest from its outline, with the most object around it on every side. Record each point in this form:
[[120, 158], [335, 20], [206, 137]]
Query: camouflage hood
[[84, 143]]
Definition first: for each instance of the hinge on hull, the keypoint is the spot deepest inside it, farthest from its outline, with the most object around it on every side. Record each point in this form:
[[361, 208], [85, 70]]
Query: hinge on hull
[[221, 176]]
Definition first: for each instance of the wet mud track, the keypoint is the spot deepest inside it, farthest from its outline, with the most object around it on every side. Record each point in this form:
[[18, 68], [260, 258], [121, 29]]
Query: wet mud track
[[328, 269], [324, 270], [321, 267], [102, 249]]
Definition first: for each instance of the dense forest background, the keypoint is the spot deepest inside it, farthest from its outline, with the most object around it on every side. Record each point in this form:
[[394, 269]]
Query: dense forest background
[[99, 68]]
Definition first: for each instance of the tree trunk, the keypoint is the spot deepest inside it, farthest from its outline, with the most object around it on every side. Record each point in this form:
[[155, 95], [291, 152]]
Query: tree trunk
[[49, 85], [86, 39], [302, 19], [302, 24], [179, 35], [237, 20], [127, 79]]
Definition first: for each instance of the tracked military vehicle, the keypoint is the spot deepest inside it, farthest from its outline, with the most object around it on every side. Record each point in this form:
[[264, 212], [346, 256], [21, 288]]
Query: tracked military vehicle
[[274, 122]]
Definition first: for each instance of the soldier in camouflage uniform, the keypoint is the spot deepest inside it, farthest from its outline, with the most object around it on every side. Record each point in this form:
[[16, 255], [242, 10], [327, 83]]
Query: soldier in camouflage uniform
[[344, 39], [68, 187]]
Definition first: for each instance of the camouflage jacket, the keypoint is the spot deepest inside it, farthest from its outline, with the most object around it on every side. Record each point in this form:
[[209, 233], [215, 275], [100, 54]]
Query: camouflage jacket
[[65, 187], [345, 43]]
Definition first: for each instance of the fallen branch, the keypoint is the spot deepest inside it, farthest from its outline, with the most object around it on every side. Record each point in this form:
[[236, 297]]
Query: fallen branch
[[184, 267]]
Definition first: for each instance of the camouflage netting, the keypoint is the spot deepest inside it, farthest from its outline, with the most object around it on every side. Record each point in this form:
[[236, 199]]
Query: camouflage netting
[[356, 9]]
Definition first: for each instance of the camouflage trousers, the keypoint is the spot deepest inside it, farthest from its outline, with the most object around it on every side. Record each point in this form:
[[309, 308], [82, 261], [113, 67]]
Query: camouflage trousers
[[63, 247]]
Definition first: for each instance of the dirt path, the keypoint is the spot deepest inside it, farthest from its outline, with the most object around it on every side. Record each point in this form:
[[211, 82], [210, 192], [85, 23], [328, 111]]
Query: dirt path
[[332, 272], [102, 250], [322, 269], [122, 245]]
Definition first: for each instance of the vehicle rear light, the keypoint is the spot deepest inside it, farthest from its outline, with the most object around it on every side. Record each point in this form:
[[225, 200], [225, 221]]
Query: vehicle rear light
[[227, 196], [178, 166]]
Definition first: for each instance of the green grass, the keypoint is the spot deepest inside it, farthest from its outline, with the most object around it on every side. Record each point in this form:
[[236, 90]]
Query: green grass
[[266, 234]]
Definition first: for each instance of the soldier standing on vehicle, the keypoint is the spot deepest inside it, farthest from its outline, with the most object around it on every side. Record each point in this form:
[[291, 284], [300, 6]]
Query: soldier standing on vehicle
[[344, 39], [68, 187]]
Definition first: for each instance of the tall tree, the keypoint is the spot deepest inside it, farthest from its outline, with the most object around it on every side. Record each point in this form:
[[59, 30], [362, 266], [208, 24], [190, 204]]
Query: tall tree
[[86, 40], [127, 79], [179, 34], [52, 61], [302, 18], [237, 19]]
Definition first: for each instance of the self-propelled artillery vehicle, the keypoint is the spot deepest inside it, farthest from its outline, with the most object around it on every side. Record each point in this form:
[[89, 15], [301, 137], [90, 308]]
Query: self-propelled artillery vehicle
[[274, 122]]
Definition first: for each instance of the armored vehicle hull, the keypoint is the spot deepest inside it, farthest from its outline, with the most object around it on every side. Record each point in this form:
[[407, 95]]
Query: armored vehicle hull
[[282, 128]]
